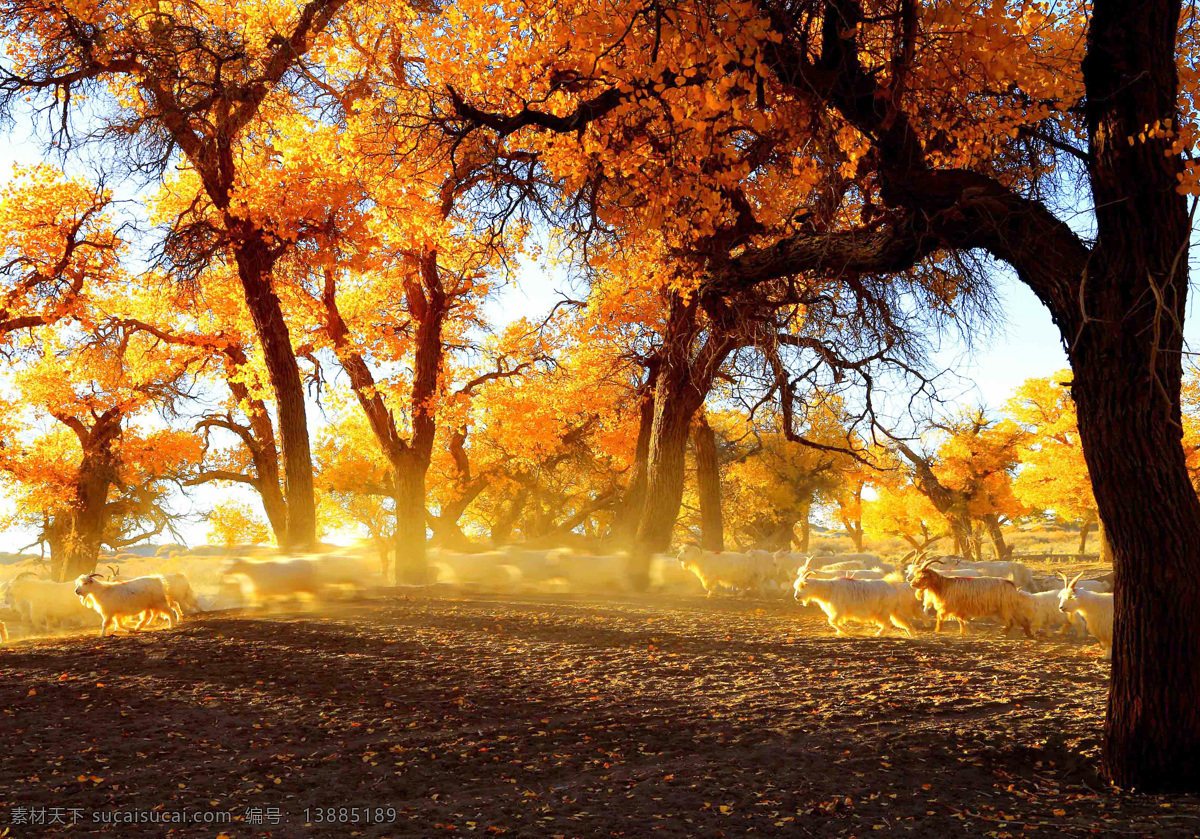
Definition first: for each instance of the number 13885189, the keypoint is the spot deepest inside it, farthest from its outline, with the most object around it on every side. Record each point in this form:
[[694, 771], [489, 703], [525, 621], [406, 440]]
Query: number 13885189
[[349, 815]]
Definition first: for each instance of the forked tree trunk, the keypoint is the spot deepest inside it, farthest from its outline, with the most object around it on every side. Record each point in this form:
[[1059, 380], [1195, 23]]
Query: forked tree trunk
[[254, 264], [855, 531], [674, 405], [1085, 530], [708, 485], [501, 530], [684, 379], [996, 534], [629, 513], [79, 532]]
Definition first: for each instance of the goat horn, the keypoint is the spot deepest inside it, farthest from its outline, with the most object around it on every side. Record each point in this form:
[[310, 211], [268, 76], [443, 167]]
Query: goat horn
[[1074, 581]]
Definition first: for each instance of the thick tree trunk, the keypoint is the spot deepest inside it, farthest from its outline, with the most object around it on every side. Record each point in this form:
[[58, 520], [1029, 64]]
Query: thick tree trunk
[[276, 508], [1127, 372], [410, 567], [1106, 554], [254, 269], [79, 533], [708, 485], [629, 514], [996, 534], [684, 378], [964, 538], [805, 532], [674, 405], [855, 531]]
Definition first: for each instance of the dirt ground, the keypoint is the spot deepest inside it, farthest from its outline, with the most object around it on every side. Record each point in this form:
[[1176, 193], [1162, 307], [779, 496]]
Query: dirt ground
[[557, 716]]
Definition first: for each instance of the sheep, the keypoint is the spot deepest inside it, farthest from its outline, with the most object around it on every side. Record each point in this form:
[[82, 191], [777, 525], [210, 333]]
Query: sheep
[[868, 574], [179, 589], [276, 578], [926, 598], [179, 592], [733, 570], [1057, 584], [1018, 572], [963, 598], [865, 560], [846, 565], [1095, 608], [535, 566], [596, 573], [668, 576], [346, 571], [868, 601], [1044, 613], [483, 570], [44, 602], [144, 596]]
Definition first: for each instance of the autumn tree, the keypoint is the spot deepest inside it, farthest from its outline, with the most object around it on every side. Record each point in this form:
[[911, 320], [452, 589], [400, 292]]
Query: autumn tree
[[58, 243], [1104, 91], [773, 485], [1053, 474], [190, 79], [86, 467]]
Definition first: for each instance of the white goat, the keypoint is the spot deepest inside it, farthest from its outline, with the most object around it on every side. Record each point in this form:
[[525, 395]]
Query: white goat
[[877, 602], [668, 576], [492, 571], [869, 574], [1094, 607], [1044, 613], [179, 592], [733, 570], [1057, 584], [272, 579], [604, 574], [44, 602], [964, 598], [1018, 572], [142, 596]]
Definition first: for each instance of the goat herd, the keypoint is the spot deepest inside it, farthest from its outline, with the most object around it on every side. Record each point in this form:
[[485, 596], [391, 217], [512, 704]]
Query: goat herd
[[856, 587], [863, 589]]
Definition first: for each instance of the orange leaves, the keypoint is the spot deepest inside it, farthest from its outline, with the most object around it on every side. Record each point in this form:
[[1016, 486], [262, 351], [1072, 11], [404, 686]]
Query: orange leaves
[[57, 244], [1053, 476]]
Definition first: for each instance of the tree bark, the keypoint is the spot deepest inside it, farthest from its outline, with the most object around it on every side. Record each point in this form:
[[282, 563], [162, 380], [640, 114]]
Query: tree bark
[[708, 483], [854, 527], [410, 567], [684, 379], [1127, 372], [1085, 530], [254, 262], [805, 532], [996, 534], [501, 530], [264, 451], [79, 531], [1106, 554], [629, 514]]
